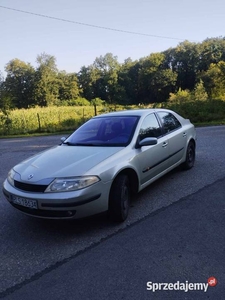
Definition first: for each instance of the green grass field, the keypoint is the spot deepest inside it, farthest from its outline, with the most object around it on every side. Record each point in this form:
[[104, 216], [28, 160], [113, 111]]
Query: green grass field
[[47, 120]]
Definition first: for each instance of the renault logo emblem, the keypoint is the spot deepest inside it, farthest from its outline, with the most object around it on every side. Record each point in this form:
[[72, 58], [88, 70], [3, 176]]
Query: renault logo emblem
[[30, 176]]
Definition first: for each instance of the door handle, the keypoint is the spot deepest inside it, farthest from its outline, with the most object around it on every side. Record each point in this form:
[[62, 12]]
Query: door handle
[[164, 144], [184, 134]]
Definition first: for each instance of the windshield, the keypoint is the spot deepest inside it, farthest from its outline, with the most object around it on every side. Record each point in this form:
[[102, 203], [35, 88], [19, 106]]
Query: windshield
[[104, 131]]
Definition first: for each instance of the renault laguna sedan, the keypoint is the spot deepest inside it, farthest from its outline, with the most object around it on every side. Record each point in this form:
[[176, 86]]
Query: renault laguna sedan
[[100, 166]]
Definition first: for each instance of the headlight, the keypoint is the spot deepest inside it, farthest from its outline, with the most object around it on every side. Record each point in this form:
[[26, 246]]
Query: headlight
[[71, 184], [11, 177]]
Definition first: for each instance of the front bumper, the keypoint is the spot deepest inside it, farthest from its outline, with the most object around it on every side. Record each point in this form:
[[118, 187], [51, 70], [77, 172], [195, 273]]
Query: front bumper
[[65, 205]]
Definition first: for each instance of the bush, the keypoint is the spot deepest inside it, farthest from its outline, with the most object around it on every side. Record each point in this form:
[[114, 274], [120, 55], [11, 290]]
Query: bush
[[201, 111], [79, 102]]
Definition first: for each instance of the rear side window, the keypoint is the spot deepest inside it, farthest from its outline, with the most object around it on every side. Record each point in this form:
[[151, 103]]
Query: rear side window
[[169, 121]]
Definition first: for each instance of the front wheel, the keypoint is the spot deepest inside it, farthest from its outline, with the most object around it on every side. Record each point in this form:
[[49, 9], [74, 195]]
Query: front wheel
[[190, 157], [119, 198]]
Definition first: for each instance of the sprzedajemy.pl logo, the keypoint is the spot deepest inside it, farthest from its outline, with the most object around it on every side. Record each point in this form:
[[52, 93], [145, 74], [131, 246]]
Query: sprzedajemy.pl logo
[[181, 286]]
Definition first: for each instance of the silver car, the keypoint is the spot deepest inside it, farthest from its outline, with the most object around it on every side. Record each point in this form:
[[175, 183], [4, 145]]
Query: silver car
[[102, 164]]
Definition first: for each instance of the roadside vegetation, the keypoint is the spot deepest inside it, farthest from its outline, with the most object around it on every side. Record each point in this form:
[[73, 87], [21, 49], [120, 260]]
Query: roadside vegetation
[[47, 120], [189, 79]]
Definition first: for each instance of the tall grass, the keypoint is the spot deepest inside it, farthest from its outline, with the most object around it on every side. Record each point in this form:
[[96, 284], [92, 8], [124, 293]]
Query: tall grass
[[67, 118], [45, 119]]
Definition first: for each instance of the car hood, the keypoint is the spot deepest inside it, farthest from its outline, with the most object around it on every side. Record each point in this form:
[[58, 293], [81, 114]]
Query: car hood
[[63, 161]]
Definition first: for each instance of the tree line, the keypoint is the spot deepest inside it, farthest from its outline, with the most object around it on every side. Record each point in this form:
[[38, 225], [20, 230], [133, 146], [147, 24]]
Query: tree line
[[196, 69]]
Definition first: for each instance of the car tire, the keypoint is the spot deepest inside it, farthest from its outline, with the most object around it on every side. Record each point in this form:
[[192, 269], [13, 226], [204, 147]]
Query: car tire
[[190, 157], [119, 198]]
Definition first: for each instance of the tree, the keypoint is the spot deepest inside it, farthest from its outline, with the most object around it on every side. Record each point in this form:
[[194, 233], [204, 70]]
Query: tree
[[47, 62], [85, 81], [214, 80], [19, 83], [68, 89], [155, 80], [105, 77], [128, 82], [1, 78], [5, 100], [199, 92], [180, 96], [184, 60], [96, 102], [47, 81], [212, 51]]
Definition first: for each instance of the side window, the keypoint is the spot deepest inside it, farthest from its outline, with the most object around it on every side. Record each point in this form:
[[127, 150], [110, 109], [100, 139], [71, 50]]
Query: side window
[[169, 121], [150, 127]]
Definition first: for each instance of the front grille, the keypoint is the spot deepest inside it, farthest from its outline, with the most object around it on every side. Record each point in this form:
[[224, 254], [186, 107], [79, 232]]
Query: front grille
[[38, 188]]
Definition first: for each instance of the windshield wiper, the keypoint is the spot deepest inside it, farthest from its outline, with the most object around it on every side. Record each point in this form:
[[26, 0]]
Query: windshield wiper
[[84, 144], [79, 144], [69, 144]]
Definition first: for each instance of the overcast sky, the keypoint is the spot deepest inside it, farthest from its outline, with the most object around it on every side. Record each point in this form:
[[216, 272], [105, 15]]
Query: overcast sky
[[165, 24]]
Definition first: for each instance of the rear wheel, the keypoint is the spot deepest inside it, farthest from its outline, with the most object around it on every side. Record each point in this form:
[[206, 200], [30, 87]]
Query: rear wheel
[[190, 157], [119, 198]]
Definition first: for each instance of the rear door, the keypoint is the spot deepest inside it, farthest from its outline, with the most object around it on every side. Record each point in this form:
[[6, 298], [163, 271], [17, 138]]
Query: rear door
[[175, 134]]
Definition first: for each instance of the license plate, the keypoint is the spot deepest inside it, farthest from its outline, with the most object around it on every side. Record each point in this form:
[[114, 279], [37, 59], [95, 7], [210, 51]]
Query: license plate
[[25, 202]]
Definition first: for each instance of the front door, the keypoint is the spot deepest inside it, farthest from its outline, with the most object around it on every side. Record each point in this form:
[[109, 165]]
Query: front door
[[153, 160]]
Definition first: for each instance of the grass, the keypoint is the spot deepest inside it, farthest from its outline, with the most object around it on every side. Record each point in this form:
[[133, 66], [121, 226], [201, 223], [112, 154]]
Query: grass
[[65, 119], [43, 120]]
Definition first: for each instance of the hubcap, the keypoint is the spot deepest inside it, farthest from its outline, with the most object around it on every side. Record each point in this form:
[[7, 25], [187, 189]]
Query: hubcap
[[190, 154], [125, 197]]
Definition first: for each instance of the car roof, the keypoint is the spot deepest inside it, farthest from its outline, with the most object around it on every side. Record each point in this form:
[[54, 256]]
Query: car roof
[[132, 112]]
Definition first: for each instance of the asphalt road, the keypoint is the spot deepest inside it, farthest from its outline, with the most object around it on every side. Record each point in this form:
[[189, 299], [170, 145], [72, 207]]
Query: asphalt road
[[110, 261]]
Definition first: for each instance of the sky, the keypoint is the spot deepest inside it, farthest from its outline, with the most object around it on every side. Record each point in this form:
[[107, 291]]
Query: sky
[[154, 26]]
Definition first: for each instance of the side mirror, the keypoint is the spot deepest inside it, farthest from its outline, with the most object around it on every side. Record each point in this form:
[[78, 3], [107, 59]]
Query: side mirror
[[149, 141], [63, 139]]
